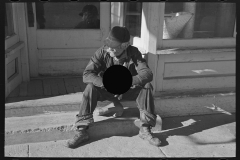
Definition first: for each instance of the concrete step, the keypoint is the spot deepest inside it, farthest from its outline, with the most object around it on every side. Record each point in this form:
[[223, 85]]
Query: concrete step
[[59, 126], [185, 136], [167, 104], [113, 146]]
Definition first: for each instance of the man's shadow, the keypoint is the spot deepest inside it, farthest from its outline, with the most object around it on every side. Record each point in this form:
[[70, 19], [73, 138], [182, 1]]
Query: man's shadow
[[187, 125], [110, 126]]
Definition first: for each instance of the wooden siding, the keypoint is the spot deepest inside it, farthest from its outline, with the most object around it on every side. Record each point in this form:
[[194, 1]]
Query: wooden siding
[[188, 55], [62, 67], [69, 38], [199, 43], [66, 53], [199, 83], [195, 69]]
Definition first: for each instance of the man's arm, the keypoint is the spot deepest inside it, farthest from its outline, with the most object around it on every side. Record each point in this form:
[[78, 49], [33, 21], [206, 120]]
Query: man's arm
[[145, 74], [90, 74]]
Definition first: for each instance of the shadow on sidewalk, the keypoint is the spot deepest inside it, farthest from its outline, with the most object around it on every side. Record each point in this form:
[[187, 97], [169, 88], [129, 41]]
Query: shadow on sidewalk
[[187, 125], [122, 126], [172, 126]]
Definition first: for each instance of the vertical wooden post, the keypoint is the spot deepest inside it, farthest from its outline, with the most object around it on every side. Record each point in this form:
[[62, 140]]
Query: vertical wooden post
[[225, 20], [23, 37], [235, 32], [161, 58], [189, 28], [6, 82], [161, 23], [32, 48], [149, 34]]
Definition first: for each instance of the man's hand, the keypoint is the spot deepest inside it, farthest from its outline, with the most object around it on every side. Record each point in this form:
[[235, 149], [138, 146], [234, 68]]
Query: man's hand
[[100, 74], [133, 86], [102, 87], [118, 96]]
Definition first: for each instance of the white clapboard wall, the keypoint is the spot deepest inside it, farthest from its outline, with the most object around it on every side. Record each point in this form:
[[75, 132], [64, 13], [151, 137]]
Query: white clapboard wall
[[195, 69]]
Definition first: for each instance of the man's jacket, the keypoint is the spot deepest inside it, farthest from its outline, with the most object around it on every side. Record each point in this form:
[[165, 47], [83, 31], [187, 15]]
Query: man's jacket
[[102, 60]]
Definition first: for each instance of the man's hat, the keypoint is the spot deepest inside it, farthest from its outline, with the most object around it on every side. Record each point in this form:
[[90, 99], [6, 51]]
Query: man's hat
[[117, 36], [90, 9]]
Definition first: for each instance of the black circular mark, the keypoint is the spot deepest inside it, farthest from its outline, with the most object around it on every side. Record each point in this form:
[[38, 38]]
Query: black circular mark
[[117, 79]]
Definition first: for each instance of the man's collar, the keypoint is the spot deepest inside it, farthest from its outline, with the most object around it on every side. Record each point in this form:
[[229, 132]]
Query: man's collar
[[122, 56]]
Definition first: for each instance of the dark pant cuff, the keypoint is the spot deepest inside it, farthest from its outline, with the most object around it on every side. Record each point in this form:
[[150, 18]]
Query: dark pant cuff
[[147, 118], [83, 122]]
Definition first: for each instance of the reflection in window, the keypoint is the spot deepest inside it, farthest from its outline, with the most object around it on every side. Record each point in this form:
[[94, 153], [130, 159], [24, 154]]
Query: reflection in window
[[132, 18], [9, 28], [68, 15], [199, 20]]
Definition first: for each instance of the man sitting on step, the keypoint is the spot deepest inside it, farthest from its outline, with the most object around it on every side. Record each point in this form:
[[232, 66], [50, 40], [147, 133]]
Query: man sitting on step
[[116, 51]]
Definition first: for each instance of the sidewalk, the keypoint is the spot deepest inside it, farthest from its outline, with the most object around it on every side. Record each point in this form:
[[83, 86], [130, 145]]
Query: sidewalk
[[188, 136], [188, 103]]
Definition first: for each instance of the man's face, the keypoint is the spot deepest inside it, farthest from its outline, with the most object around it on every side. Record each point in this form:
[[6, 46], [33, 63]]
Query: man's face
[[115, 51]]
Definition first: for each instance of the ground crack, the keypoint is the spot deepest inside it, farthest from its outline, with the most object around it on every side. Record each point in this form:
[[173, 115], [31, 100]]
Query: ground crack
[[28, 150], [162, 152]]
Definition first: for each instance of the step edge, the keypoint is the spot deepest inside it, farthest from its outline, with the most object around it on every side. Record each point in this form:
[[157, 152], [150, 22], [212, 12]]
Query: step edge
[[66, 128], [20, 105]]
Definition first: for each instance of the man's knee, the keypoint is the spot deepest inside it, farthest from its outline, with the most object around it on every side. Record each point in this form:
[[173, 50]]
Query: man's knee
[[89, 88], [148, 85]]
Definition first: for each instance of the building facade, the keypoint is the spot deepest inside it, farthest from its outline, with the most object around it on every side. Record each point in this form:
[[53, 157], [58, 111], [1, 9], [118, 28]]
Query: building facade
[[188, 46]]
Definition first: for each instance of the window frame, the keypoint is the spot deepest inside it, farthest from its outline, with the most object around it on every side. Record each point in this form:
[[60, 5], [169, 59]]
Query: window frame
[[10, 41], [195, 42], [125, 13]]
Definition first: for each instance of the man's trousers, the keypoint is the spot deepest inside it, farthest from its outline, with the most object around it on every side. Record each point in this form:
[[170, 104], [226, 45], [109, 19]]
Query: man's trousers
[[141, 94]]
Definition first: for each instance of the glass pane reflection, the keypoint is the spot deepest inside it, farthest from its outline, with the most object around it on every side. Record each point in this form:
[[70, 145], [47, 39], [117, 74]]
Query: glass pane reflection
[[68, 15]]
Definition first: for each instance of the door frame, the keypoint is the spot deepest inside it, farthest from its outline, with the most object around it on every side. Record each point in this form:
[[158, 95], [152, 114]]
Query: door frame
[[16, 50], [34, 55]]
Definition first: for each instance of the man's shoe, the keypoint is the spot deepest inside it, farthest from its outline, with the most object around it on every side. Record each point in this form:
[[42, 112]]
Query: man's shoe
[[80, 137], [145, 134]]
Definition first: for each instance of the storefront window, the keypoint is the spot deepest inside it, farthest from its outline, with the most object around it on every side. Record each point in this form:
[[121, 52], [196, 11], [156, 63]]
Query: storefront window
[[198, 20], [9, 28], [68, 15], [133, 14]]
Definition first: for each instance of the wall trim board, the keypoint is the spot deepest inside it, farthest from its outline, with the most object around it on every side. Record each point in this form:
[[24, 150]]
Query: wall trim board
[[200, 43], [198, 83], [199, 69], [196, 92], [199, 76], [192, 50], [66, 53]]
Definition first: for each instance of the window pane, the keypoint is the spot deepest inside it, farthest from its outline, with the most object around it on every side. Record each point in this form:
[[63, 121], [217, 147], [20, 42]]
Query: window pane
[[9, 28], [199, 20], [133, 13], [133, 23], [68, 15]]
